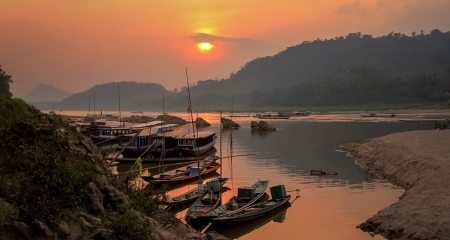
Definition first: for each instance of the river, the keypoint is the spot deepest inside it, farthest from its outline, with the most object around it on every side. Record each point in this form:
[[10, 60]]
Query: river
[[329, 206]]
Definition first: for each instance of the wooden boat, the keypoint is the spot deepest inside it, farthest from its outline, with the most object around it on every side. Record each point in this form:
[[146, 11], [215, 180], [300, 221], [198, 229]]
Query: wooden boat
[[251, 212], [99, 131], [188, 172], [193, 194], [246, 197], [237, 231], [192, 145], [206, 202], [320, 172], [153, 138]]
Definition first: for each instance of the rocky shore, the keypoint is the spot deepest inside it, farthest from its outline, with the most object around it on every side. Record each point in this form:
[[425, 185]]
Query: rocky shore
[[419, 162], [54, 184]]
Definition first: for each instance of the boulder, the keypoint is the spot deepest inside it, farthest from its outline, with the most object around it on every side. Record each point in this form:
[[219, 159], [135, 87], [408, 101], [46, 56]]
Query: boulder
[[138, 119], [227, 123], [202, 123], [169, 119], [111, 195], [262, 125], [94, 199]]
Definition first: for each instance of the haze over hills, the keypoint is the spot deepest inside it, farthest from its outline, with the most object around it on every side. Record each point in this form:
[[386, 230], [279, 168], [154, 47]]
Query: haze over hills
[[106, 97], [46, 92], [344, 71]]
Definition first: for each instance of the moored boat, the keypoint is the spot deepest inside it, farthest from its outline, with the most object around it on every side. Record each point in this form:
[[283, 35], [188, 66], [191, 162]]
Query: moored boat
[[188, 172], [192, 144], [152, 141], [246, 197], [206, 202], [194, 193], [253, 211]]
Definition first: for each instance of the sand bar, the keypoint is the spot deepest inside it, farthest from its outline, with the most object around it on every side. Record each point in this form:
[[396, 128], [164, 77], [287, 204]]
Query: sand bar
[[418, 161]]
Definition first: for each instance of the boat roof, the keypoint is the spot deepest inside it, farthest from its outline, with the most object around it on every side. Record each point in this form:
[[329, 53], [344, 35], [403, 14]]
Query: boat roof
[[202, 134], [149, 124], [154, 131]]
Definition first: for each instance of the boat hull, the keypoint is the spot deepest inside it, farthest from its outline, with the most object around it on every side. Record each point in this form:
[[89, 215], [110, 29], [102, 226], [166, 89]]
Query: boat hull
[[244, 217]]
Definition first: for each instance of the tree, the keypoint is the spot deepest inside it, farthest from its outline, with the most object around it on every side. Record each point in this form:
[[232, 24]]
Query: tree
[[5, 80]]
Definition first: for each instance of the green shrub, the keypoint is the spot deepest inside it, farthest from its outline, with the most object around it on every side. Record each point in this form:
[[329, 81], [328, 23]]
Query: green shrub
[[128, 228]]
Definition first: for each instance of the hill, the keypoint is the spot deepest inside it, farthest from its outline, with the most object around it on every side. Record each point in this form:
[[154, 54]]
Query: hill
[[133, 96], [342, 72], [46, 92], [394, 54]]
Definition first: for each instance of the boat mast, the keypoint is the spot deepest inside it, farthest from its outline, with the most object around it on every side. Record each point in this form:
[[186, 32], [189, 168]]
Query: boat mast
[[120, 114], [193, 129], [94, 100]]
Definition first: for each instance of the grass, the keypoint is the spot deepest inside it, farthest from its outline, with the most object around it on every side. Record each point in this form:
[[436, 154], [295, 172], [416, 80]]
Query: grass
[[39, 177]]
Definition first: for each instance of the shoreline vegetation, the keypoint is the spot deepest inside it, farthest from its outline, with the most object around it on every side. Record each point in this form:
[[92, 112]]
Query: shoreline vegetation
[[54, 184], [418, 162]]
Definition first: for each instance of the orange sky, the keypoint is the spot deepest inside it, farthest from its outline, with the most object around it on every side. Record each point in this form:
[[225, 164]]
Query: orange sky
[[76, 44]]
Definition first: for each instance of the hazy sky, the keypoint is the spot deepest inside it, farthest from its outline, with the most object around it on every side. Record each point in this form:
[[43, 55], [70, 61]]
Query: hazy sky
[[74, 44]]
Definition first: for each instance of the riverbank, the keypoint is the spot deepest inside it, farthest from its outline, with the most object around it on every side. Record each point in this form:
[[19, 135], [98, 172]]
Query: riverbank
[[54, 184], [418, 161]]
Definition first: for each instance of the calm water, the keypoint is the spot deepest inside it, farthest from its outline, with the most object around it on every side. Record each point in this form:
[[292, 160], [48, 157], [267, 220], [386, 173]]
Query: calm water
[[330, 207]]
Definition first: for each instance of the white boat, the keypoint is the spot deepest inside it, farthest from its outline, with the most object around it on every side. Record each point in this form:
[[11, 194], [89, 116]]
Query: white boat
[[193, 144]]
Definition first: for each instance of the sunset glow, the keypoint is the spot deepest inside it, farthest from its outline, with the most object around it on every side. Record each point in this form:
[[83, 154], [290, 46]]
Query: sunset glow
[[73, 46], [205, 46]]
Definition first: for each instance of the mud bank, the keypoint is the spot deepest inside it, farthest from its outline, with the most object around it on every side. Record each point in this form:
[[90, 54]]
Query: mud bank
[[419, 162]]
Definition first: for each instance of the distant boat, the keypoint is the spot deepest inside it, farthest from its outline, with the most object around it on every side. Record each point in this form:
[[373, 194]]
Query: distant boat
[[201, 142], [239, 115], [300, 114], [273, 116], [246, 197], [378, 114], [188, 172]]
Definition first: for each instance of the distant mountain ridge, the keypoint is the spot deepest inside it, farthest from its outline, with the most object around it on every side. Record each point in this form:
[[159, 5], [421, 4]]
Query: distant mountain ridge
[[343, 71], [46, 92], [133, 96]]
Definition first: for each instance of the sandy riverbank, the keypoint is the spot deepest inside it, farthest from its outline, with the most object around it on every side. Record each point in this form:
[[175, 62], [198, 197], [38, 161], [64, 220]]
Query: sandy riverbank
[[418, 161]]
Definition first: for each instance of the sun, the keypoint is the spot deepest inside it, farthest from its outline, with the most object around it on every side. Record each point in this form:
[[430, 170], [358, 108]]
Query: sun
[[205, 46]]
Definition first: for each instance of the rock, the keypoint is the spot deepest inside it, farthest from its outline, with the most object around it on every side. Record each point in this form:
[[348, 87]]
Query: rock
[[138, 119], [94, 199], [262, 125], [227, 123], [41, 231], [85, 225], [168, 119], [103, 234], [444, 124], [63, 230], [201, 122], [111, 195]]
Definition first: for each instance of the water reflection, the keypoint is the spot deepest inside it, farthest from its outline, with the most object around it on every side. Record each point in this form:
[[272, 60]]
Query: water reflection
[[261, 134], [331, 206], [240, 230]]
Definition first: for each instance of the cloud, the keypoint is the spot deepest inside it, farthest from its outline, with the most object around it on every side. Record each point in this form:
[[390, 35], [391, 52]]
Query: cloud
[[239, 43], [355, 8]]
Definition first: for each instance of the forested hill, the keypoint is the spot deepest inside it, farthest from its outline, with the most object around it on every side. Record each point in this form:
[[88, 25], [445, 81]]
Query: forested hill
[[345, 71], [394, 54], [106, 97]]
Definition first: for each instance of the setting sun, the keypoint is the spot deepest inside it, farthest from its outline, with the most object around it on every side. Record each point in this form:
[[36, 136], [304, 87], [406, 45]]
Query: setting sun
[[205, 46]]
